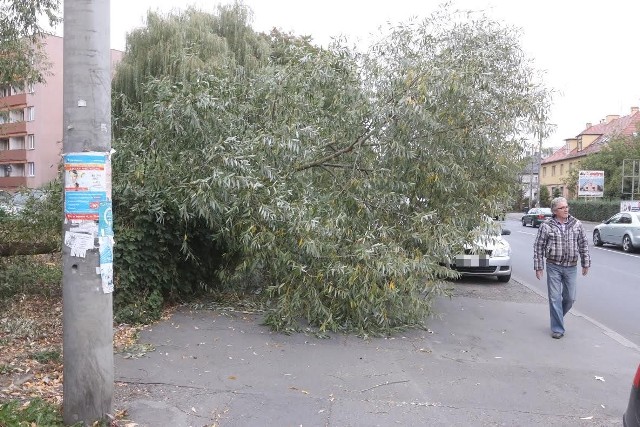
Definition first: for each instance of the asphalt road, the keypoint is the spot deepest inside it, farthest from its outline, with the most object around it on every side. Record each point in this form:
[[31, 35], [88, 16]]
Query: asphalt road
[[609, 294]]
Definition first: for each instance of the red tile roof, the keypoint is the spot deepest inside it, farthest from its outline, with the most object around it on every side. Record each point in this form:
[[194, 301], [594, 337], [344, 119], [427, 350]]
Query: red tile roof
[[623, 126]]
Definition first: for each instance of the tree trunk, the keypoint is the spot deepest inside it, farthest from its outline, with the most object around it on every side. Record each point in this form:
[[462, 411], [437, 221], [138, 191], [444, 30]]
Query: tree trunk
[[25, 248]]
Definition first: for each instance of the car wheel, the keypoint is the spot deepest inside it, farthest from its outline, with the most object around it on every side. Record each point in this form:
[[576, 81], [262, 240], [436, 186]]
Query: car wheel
[[597, 241], [627, 246], [504, 279], [524, 224]]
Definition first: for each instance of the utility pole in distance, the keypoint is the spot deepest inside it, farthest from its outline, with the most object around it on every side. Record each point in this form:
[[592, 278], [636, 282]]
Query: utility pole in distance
[[539, 167], [87, 232]]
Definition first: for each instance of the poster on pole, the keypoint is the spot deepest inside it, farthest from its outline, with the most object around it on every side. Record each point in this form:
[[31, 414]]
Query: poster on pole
[[88, 207], [590, 183], [85, 185]]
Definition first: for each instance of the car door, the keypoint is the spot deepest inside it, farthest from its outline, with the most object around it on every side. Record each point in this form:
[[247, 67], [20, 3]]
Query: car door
[[531, 215], [608, 231], [619, 228]]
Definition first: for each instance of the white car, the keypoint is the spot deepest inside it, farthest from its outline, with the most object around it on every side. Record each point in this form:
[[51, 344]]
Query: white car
[[14, 203], [490, 255]]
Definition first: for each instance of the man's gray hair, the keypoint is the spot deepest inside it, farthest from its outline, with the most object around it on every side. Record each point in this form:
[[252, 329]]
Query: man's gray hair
[[555, 202]]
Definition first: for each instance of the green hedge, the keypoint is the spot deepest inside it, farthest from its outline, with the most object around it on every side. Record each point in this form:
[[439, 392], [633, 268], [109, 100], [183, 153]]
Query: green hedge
[[594, 210]]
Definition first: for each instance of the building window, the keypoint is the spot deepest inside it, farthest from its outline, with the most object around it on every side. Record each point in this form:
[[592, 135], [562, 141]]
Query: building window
[[544, 171], [570, 166], [579, 145], [553, 170], [31, 169], [4, 144], [30, 88], [561, 169], [31, 142], [16, 116], [31, 114]]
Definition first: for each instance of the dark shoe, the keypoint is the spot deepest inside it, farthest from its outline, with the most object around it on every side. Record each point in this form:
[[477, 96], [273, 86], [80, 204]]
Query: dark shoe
[[557, 335]]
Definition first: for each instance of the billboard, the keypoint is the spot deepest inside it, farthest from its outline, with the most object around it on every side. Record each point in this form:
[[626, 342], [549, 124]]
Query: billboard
[[590, 183], [630, 206]]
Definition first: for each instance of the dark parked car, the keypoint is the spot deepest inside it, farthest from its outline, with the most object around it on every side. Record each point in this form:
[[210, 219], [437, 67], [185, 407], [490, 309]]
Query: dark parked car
[[631, 417], [622, 229], [536, 216]]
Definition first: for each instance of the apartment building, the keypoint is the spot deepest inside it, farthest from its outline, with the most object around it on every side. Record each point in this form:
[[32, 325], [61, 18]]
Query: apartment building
[[31, 125], [554, 170]]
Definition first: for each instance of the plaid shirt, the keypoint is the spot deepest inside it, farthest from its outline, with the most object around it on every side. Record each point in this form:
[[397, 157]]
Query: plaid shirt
[[561, 244]]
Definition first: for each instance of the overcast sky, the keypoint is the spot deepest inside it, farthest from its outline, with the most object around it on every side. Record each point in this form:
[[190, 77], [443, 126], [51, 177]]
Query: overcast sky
[[588, 50]]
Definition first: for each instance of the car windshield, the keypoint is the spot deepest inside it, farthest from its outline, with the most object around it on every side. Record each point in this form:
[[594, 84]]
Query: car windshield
[[637, 214]]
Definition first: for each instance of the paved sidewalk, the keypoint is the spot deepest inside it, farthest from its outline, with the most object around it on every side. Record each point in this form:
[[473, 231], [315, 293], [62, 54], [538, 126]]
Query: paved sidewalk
[[488, 360]]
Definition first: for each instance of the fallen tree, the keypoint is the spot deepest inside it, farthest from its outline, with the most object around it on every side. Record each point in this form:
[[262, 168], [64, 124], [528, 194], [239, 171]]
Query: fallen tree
[[28, 248]]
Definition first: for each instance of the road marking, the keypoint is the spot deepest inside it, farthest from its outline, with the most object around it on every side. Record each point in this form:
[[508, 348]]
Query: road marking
[[607, 331], [616, 251]]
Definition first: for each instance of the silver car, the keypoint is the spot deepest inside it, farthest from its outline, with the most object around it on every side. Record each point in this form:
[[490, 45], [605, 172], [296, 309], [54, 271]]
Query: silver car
[[492, 259], [622, 229]]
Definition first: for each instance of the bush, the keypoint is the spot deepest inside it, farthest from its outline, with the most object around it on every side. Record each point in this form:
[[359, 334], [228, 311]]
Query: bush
[[30, 275], [594, 210], [155, 263]]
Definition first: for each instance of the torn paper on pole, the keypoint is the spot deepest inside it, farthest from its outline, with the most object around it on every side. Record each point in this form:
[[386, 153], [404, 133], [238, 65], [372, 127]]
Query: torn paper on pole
[[79, 243], [88, 207]]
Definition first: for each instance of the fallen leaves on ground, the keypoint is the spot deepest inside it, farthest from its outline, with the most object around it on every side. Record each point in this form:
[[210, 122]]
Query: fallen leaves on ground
[[31, 350]]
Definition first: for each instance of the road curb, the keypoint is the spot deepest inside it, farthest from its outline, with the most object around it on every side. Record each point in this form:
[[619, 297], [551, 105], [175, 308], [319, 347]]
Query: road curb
[[607, 331]]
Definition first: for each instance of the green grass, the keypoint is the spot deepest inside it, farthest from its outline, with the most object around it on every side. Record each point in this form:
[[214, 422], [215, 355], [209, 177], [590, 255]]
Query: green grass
[[37, 412], [45, 356]]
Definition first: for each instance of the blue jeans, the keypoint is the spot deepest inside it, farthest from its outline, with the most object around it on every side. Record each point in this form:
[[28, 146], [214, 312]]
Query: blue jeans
[[561, 285]]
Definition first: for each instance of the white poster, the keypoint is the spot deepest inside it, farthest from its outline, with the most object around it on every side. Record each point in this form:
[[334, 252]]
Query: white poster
[[630, 206], [590, 183]]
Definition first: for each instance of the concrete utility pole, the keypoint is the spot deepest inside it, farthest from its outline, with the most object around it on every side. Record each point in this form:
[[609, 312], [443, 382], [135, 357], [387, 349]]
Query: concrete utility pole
[[88, 311], [531, 166], [539, 165]]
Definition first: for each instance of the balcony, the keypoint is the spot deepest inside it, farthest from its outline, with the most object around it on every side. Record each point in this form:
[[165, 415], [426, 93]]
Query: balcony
[[12, 182], [13, 101], [16, 128], [13, 156]]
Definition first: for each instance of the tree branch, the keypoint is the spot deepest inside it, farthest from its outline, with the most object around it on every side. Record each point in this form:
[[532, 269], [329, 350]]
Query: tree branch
[[364, 137]]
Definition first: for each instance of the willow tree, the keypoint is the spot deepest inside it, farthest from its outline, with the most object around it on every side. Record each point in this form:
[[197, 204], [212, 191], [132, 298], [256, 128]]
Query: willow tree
[[22, 58], [178, 45], [338, 180]]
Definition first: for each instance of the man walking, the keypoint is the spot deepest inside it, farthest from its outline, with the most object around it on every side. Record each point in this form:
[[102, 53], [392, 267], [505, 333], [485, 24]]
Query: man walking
[[560, 240]]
